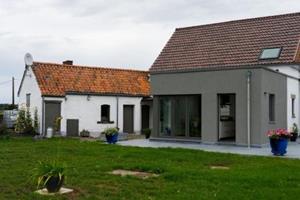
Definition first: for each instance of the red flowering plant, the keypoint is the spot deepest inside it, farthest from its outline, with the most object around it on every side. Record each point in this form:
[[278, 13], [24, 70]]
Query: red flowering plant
[[278, 133]]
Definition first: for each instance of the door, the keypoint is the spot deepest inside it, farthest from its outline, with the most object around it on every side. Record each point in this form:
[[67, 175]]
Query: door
[[73, 127], [128, 118], [145, 116], [52, 112], [226, 107]]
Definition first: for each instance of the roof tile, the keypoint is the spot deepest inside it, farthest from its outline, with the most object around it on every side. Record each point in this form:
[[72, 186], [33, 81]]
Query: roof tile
[[231, 44], [58, 79]]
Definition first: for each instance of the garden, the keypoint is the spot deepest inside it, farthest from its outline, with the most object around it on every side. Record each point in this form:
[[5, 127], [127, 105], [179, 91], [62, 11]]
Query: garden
[[88, 168]]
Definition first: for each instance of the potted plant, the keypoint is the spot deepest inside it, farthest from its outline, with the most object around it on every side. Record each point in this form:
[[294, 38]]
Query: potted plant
[[84, 133], [50, 175], [278, 141], [147, 132], [294, 133], [111, 135]]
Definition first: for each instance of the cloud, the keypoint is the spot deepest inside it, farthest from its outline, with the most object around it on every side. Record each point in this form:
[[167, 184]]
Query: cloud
[[115, 33]]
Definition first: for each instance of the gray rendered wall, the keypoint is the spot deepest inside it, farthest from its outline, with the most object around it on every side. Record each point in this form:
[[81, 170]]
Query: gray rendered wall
[[211, 83]]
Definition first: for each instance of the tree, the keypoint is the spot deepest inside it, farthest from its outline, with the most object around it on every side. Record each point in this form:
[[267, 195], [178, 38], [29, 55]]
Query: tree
[[36, 121], [24, 122], [21, 121]]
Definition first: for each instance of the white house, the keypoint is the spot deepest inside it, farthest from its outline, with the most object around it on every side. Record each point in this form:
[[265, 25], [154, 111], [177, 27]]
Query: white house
[[90, 98]]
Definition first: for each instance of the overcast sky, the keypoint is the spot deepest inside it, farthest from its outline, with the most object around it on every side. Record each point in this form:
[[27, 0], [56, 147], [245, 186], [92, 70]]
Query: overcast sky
[[115, 33]]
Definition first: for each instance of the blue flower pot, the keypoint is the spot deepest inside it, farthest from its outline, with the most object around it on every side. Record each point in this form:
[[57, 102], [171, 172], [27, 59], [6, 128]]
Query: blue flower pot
[[112, 139], [279, 146]]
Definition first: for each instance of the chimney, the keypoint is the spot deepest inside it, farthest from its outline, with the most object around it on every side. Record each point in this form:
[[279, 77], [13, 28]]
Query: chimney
[[68, 62]]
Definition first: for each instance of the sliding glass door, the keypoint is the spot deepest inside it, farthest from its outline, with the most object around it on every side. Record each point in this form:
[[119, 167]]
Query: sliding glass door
[[180, 116]]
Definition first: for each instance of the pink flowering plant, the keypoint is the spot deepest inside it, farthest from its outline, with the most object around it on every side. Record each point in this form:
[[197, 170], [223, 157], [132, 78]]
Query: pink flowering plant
[[278, 133]]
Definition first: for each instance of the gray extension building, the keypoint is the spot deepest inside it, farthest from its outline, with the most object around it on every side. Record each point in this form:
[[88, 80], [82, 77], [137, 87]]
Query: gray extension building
[[228, 82]]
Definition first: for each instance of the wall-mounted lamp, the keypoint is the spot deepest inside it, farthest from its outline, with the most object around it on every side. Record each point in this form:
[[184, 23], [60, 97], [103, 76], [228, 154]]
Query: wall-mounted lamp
[[88, 97], [265, 93], [66, 98]]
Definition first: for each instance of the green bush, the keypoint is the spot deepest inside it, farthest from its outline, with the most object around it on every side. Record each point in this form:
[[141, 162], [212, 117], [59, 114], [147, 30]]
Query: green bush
[[3, 130], [24, 124], [1, 117], [147, 132], [110, 131]]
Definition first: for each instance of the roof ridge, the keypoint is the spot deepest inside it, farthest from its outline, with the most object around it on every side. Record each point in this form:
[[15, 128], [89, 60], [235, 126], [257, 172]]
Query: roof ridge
[[241, 20], [91, 67]]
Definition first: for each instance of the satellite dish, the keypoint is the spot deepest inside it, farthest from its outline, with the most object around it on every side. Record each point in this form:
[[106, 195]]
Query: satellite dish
[[28, 59]]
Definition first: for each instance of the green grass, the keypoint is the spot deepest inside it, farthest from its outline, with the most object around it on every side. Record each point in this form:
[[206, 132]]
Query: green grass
[[184, 174]]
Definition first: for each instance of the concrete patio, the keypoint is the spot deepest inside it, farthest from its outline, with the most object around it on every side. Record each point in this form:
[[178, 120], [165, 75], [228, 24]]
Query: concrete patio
[[293, 150]]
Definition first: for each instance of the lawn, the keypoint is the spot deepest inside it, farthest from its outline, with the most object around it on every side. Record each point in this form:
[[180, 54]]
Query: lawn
[[184, 174]]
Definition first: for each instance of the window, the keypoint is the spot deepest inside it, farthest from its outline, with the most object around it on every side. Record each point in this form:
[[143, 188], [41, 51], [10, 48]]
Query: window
[[105, 111], [180, 116], [271, 107], [293, 106], [271, 53], [27, 100]]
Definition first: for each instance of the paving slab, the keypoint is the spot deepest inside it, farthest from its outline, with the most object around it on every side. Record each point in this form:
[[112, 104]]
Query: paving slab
[[61, 191], [293, 150]]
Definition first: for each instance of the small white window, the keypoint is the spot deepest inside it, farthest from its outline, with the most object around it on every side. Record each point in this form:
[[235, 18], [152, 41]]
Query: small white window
[[105, 113], [27, 100]]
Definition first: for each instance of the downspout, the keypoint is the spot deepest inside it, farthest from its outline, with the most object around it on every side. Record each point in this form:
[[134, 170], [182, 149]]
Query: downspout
[[117, 121], [43, 117], [249, 74]]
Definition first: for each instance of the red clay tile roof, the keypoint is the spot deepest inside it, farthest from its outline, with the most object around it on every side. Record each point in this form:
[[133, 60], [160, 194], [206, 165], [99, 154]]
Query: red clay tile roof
[[58, 79], [231, 44]]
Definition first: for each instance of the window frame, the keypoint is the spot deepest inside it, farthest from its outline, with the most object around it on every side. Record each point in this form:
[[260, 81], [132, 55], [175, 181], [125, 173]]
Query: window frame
[[188, 118], [28, 100], [270, 58], [272, 109], [102, 120], [293, 98]]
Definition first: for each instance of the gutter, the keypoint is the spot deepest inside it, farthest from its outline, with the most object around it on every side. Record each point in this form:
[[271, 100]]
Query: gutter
[[117, 121]]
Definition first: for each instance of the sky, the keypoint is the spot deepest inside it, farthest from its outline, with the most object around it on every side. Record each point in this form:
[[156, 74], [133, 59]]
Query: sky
[[115, 33]]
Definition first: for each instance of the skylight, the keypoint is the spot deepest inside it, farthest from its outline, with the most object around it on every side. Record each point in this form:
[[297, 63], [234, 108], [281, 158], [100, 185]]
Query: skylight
[[270, 53]]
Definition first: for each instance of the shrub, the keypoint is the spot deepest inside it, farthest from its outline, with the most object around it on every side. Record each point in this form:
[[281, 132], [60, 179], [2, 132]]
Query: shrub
[[24, 122], [1, 117], [147, 132], [36, 121], [57, 123], [84, 133], [110, 131], [295, 128], [4, 130]]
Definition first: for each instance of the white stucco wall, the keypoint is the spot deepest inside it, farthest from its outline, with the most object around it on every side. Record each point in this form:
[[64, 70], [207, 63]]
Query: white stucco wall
[[79, 107], [88, 112], [290, 70], [30, 86], [292, 89]]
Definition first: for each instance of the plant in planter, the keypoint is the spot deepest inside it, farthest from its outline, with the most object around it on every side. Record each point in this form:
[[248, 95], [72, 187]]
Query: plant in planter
[[84, 133], [294, 132], [278, 141], [50, 175], [111, 135], [147, 132]]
